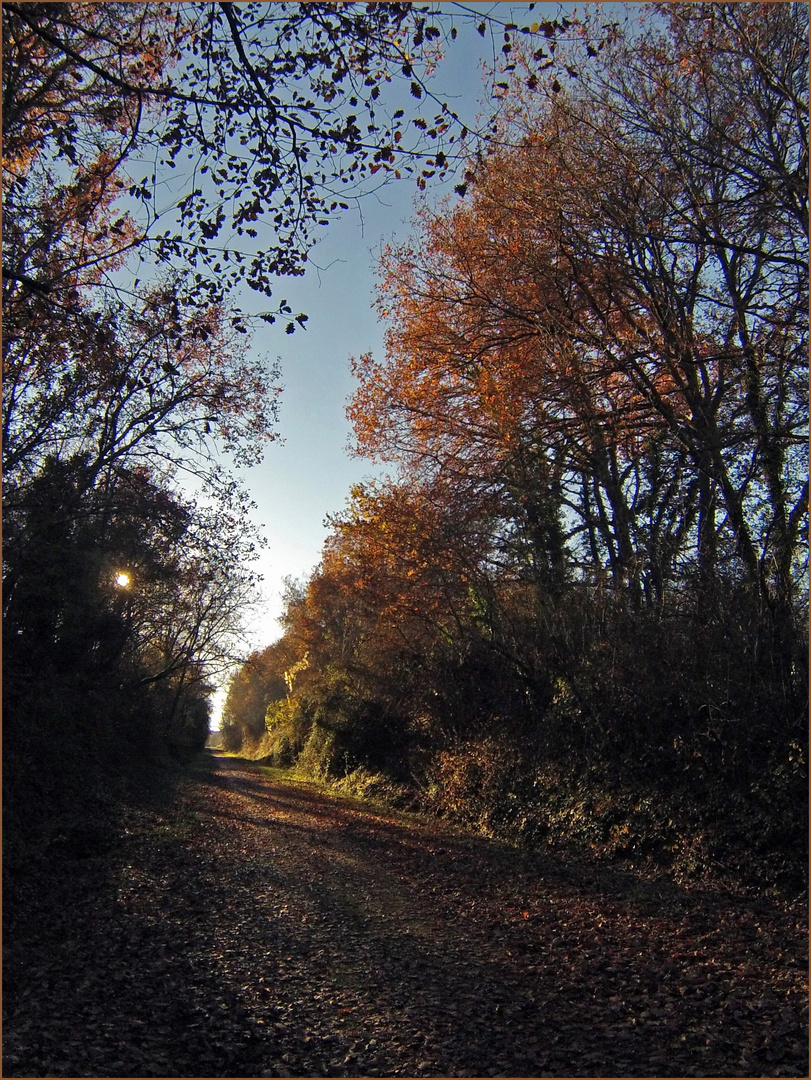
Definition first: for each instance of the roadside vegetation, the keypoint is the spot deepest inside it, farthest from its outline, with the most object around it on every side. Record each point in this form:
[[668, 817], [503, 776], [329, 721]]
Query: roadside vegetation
[[576, 611]]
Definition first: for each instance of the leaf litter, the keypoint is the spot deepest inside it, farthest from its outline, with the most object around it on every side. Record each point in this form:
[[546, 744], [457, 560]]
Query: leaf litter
[[263, 928]]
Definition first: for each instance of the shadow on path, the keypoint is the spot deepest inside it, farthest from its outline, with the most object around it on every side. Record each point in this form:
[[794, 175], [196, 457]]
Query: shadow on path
[[266, 929]]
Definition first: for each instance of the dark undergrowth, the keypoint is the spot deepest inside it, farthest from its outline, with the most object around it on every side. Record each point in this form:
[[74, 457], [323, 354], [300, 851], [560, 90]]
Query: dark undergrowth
[[677, 821], [69, 808]]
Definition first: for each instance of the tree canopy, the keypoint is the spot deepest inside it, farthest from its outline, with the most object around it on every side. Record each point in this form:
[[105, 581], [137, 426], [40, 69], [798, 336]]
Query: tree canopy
[[273, 118]]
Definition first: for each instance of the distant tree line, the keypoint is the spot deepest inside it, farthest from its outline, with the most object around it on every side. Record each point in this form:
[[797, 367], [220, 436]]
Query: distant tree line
[[578, 609]]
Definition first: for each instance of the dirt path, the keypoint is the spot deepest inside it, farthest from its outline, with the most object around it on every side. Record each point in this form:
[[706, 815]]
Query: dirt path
[[267, 930]]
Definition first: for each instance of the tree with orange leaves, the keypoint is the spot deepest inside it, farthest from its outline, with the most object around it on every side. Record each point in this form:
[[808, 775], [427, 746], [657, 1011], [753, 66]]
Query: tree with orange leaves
[[608, 338], [619, 299]]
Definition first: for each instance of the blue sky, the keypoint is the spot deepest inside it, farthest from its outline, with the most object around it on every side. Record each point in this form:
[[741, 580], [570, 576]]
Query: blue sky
[[310, 474]]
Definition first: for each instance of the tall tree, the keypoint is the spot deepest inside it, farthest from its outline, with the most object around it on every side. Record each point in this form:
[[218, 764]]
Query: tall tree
[[587, 310]]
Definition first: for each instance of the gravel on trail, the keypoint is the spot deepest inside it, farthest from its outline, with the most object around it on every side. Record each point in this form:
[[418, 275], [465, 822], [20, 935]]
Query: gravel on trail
[[263, 928]]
